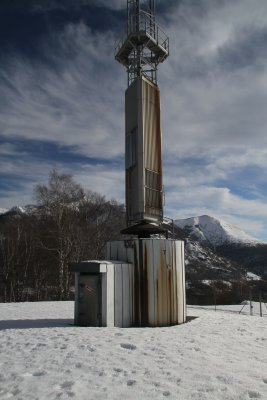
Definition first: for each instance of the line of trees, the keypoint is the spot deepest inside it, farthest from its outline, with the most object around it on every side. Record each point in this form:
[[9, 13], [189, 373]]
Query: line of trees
[[67, 224]]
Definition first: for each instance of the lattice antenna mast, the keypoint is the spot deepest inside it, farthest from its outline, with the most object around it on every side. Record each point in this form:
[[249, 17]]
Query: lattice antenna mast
[[146, 45]]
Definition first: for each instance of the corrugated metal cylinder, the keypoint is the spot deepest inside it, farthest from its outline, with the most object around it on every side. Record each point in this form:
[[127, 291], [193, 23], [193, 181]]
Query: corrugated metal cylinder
[[158, 279]]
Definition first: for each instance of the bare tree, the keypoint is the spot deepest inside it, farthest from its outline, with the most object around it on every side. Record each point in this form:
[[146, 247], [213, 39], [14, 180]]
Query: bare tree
[[16, 257], [59, 208]]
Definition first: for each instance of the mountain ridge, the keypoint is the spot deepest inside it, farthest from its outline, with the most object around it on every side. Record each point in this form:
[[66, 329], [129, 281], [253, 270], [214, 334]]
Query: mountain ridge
[[220, 260], [215, 232]]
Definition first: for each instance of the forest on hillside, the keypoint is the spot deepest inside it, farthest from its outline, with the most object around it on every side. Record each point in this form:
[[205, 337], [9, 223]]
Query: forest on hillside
[[65, 224]]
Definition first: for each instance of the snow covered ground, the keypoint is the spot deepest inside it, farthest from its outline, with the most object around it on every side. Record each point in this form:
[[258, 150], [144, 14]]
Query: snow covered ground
[[219, 355]]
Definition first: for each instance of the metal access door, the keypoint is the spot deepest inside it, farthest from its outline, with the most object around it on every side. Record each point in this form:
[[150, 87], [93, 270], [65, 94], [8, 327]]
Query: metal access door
[[90, 300]]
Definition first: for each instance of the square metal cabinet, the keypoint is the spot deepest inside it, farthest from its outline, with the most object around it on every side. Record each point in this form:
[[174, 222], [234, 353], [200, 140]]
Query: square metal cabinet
[[103, 293]]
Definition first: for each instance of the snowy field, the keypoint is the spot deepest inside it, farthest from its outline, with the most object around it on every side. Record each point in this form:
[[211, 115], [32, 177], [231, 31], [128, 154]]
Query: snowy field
[[219, 355]]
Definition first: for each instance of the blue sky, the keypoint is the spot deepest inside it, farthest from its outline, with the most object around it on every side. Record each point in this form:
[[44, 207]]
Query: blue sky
[[62, 103]]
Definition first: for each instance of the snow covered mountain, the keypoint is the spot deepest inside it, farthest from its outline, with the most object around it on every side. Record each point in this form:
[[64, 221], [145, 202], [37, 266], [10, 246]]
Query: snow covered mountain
[[18, 210], [214, 232], [220, 255]]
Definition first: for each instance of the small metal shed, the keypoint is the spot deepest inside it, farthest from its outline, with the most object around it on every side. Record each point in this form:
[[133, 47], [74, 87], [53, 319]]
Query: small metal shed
[[103, 293]]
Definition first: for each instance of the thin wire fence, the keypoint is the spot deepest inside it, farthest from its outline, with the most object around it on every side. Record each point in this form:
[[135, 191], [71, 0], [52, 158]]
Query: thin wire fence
[[247, 307]]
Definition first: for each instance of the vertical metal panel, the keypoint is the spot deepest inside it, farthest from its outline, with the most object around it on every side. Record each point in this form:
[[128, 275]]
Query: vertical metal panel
[[118, 290], [175, 312], [148, 262], [125, 296], [122, 251], [181, 283], [144, 177], [110, 317], [152, 148], [137, 276], [114, 251], [134, 175], [104, 293], [172, 277], [160, 259], [151, 123], [131, 291]]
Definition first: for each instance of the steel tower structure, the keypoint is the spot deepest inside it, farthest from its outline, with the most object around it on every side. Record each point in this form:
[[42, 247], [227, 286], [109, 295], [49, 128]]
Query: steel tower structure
[[142, 283], [144, 46]]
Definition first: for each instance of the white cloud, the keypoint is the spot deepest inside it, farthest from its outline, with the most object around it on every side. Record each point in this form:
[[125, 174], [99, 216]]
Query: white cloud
[[209, 101]]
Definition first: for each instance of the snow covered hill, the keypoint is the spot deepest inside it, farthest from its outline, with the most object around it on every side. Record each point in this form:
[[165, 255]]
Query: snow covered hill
[[217, 356], [214, 232], [221, 257], [19, 210]]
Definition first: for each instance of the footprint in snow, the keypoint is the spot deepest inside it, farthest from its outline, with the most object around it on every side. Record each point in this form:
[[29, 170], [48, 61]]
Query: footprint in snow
[[39, 373], [67, 385], [118, 370], [131, 382], [35, 374], [166, 393], [128, 346], [254, 395]]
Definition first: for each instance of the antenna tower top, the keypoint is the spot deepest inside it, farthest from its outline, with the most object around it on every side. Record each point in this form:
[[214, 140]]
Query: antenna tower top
[[145, 45]]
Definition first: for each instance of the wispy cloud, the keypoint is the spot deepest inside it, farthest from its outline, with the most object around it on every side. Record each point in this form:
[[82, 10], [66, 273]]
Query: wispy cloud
[[69, 99]]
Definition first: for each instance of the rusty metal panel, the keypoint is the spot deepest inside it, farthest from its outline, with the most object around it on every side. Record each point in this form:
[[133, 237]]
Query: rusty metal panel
[[152, 148], [126, 300], [131, 293], [143, 149], [152, 285], [151, 124], [134, 173], [123, 295]]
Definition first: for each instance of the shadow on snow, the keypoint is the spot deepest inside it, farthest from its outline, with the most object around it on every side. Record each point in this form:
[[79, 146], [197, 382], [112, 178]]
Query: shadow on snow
[[35, 323]]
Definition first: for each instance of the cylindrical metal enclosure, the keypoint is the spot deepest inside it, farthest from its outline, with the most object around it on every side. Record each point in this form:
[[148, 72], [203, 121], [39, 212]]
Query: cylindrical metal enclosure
[[158, 279]]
